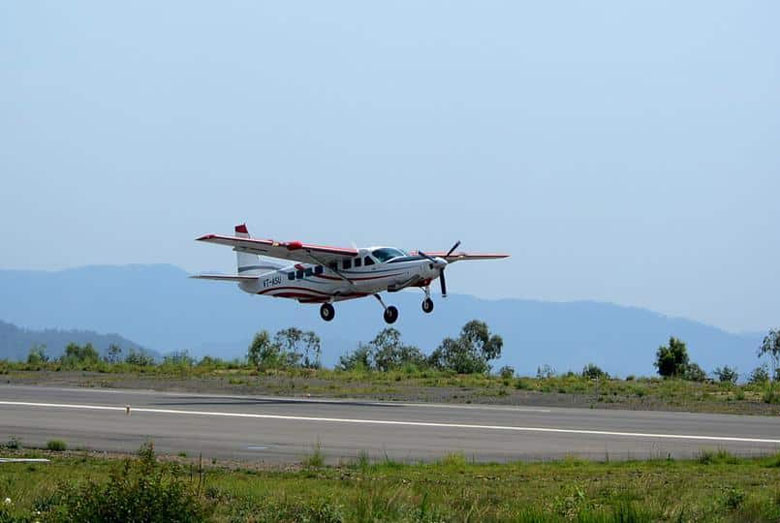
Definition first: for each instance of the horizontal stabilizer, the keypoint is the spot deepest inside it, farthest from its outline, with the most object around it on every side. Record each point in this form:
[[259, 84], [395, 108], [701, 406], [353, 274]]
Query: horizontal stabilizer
[[226, 277]]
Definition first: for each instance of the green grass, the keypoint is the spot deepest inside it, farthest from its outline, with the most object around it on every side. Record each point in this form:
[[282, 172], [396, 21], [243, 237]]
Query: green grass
[[56, 445], [413, 384], [718, 487]]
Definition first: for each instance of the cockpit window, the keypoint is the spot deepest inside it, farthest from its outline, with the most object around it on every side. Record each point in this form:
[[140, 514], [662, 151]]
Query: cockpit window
[[387, 253]]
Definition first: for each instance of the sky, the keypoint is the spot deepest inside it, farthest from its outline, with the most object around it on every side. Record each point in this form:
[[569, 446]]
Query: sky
[[620, 151]]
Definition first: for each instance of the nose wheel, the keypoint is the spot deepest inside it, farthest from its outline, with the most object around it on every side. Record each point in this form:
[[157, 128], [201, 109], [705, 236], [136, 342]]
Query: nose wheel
[[327, 312], [427, 305]]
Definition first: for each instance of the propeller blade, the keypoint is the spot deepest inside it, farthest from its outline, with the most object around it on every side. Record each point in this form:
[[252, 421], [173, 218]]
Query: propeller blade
[[425, 256], [457, 244], [443, 284]]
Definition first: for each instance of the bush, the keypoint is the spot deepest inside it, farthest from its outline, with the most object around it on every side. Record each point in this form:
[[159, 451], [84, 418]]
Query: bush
[[507, 372], [141, 490], [56, 445], [76, 355], [593, 372], [545, 371], [140, 358], [726, 374]]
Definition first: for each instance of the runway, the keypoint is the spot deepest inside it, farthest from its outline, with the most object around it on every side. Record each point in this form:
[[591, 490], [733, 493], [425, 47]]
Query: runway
[[274, 429]]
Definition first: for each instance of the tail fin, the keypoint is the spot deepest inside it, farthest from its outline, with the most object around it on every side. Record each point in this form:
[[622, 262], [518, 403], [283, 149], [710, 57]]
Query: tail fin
[[249, 264]]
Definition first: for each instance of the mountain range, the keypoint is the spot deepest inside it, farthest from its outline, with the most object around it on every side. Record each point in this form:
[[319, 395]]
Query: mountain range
[[159, 308]]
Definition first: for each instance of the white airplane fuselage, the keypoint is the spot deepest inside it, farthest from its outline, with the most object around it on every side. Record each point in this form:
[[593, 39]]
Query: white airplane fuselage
[[362, 275]]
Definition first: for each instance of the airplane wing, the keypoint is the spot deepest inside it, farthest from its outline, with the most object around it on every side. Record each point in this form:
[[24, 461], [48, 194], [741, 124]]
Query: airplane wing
[[225, 277], [460, 256], [293, 251]]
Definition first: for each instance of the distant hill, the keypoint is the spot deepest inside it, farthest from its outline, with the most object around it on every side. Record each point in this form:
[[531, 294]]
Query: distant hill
[[160, 308], [15, 342]]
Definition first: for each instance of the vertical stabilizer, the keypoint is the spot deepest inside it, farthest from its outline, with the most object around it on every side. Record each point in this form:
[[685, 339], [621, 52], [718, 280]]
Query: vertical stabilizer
[[252, 263]]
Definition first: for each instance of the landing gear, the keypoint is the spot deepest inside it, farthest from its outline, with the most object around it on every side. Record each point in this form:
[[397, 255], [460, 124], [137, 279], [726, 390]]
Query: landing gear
[[327, 312], [391, 313], [427, 305]]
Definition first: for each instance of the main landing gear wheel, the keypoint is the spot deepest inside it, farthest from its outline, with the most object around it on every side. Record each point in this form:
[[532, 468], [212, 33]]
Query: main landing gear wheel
[[391, 314], [327, 312], [427, 305]]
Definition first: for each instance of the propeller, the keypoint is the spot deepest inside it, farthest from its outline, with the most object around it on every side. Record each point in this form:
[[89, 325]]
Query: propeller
[[442, 279]]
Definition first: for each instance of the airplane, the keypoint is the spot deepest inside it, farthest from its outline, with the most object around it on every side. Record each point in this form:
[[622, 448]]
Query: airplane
[[321, 274]]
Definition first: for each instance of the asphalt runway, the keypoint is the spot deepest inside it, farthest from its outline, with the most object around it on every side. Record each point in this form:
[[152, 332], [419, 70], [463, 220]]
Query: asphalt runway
[[275, 429]]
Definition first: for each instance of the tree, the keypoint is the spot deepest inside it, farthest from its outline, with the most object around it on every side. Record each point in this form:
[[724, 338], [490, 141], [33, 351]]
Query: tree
[[37, 355], [471, 352], [262, 352], [113, 354], [593, 372], [759, 376], [693, 372], [76, 354], [140, 358], [771, 349], [388, 352], [298, 348], [726, 374], [672, 360], [358, 359]]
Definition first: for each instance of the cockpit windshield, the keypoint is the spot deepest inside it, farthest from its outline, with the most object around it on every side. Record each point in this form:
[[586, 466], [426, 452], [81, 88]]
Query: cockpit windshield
[[387, 253]]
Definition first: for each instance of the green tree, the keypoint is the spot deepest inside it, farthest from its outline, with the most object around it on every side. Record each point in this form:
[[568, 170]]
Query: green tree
[[80, 355], [672, 360], [471, 353], [140, 358], [593, 372], [263, 352], [113, 354], [726, 374], [693, 372], [770, 348], [759, 376], [37, 355], [388, 352], [299, 348], [358, 359]]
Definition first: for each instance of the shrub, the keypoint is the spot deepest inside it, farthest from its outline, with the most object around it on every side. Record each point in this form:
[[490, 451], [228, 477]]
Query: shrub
[[139, 490], [545, 371], [56, 445], [507, 372], [37, 355], [140, 358]]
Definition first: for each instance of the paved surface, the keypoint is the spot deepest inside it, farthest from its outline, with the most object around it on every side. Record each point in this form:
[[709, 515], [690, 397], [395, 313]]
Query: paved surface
[[286, 429]]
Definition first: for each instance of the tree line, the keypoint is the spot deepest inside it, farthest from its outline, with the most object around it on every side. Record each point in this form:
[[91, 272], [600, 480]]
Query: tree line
[[471, 352]]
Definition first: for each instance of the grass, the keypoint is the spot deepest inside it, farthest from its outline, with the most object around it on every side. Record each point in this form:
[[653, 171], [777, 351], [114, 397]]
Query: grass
[[412, 384], [56, 445], [719, 487]]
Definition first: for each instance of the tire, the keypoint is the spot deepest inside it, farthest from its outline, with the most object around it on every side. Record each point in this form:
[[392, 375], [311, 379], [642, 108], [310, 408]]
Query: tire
[[327, 312], [427, 305], [391, 314]]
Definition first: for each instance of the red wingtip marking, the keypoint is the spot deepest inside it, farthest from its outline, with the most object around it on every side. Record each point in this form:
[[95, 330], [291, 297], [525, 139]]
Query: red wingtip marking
[[205, 237], [292, 246], [242, 228]]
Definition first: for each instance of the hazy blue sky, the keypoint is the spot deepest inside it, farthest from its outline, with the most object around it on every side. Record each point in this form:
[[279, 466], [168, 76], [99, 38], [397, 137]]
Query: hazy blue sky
[[620, 151]]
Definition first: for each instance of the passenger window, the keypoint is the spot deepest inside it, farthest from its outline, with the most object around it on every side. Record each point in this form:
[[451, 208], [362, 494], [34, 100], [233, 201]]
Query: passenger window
[[347, 264], [299, 274], [334, 266], [358, 262], [368, 260], [309, 271], [318, 269], [290, 275]]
